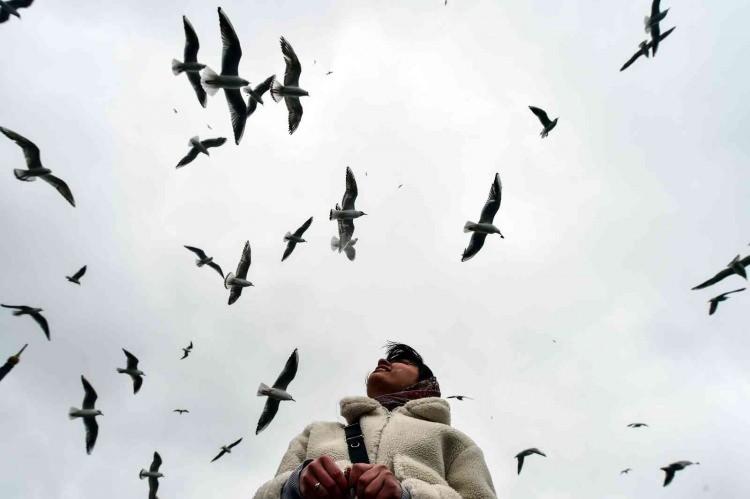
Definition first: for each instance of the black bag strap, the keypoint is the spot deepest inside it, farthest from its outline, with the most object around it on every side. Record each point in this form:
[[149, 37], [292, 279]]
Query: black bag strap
[[355, 444]]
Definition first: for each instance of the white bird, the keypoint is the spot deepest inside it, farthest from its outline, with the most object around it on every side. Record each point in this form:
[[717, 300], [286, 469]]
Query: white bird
[[153, 474], [718, 299], [651, 24], [736, 266], [292, 239], [671, 469], [88, 413], [277, 392], [521, 455], [290, 91], [190, 66], [75, 278], [34, 313], [485, 226], [226, 449], [132, 370], [203, 259], [198, 146], [236, 282], [34, 163], [544, 119], [10, 8], [345, 215]]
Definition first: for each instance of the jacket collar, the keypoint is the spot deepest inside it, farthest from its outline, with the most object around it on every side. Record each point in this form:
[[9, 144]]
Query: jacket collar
[[432, 409]]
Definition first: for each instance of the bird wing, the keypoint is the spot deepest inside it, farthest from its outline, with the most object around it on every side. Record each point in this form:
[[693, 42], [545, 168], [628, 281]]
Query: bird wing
[[669, 476], [288, 251], [89, 399], [137, 383], [20, 4], [293, 67], [252, 105], [631, 60], [714, 305], [520, 463], [234, 294], [237, 112], [199, 252], [541, 114], [475, 244], [153, 486], [655, 9], [350, 195], [303, 227], [216, 267], [232, 52], [294, 108], [289, 371], [42, 323], [92, 431], [493, 201], [733, 291], [218, 141], [722, 275], [269, 411], [16, 307], [537, 451], [219, 455], [655, 38], [132, 360], [155, 463], [189, 157], [80, 273], [30, 150], [233, 444], [245, 261], [184, 354], [191, 42], [264, 86], [190, 346], [61, 187], [4, 15], [195, 82], [667, 33], [346, 231], [350, 252]]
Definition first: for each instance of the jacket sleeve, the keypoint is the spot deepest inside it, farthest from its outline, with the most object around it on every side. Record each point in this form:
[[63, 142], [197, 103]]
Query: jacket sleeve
[[467, 478], [294, 457]]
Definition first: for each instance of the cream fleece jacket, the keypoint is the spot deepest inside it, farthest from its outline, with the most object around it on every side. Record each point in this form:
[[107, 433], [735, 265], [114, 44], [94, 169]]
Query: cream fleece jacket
[[431, 459]]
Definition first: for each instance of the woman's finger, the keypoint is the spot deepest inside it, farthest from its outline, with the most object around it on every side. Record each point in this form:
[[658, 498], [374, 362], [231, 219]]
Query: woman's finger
[[356, 471], [333, 471], [374, 487], [367, 477]]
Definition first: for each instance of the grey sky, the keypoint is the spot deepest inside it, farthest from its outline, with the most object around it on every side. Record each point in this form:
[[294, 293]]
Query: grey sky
[[640, 193]]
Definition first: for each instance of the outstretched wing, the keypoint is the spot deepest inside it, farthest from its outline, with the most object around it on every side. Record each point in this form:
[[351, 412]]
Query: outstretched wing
[[245, 261], [475, 244], [137, 383], [195, 82], [493, 201], [722, 275], [289, 371], [218, 455], [541, 114], [303, 227], [520, 463], [191, 42], [655, 9], [237, 112], [80, 273], [290, 245], [346, 231], [153, 486], [61, 187], [294, 109], [89, 398], [669, 476], [350, 195], [20, 4], [232, 52], [189, 157], [714, 305], [42, 323], [269, 411], [293, 67], [216, 267], [30, 150], [199, 252], [631, 60], [218, 141], [233, 444], [132, 360], [156, 462], [265, 85], [92, 431]]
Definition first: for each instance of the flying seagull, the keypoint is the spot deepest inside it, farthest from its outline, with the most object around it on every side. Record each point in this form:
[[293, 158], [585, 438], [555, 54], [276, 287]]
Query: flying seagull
[[644, 48], [226, 449], [153, 476], [736, 266], [34, 163], [88, 413], [277, 392], [199, 146], [329, 73], [236, 282], [290, 91], [293, 239], [544, 119], [187, 351], [485, 226], [345, 215], [75, 278], [722, 297], [459, 397], [626, 471], [132, 371], [190, 66], [35, 314], [181, 411], [651, 24], [637, 425], [205, 260], [256, 94], [10, 8], [673, 468], [11, 362], [229, 79], [521, 455]]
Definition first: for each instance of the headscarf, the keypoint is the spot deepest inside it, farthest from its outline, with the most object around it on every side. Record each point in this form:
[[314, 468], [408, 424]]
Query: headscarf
[[426, 388]]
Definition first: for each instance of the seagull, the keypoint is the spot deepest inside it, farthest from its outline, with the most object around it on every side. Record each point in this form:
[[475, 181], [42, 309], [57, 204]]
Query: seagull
[[34, 313], [132, 371], [229, 79], [88, 413], [651, 24], [226, 449], [277, 392], [626, 471], [459, 397], [521, 455], [153, 476], [546, 123], [175, 110], [644, 48], [345, 215], [673, 468], [485, 226], [293, 239], [191, 67], [75, 278], [290, 91], [186, 351], [181, 411], [205, 260], [10, 8], [209, 126], [11, 362], [722, 297], [736, 266], [235, 283], [34, 163], [199, 146], [256, 94], [637, 425], [329, 73]]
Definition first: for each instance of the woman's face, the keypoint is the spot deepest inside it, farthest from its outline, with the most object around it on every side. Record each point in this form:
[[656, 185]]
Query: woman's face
[[390, 377]]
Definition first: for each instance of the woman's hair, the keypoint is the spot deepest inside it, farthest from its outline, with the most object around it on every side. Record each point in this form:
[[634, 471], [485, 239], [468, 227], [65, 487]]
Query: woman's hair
[[400, 351]]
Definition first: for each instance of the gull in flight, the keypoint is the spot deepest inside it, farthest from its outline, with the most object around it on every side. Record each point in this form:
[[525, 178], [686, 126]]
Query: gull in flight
[[10, 8], [722, 297], [11, 362], [198, 146], [153, 476], [345, 215], [277, 392], [736, 266], [544, 119], [35, 314], [181, 411], [644, 48], [459, 397], [226, 449], [187, 351], [485, 226], [651, 24], [521, 455], [88, 413], [236, 282], [203, 259], [673, 468], [190, 66], [132, 370], [292, 239], [626, 471], [256, 94], [637, 425], [34, 163], [75, 278], [290, 91], [229, 78]]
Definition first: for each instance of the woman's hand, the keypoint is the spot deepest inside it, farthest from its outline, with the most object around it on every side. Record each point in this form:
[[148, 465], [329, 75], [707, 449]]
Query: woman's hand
[[323, 470], [374, 481]]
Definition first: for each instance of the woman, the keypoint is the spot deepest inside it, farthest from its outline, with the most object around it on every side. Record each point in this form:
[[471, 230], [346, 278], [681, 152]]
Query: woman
[[412, 450]]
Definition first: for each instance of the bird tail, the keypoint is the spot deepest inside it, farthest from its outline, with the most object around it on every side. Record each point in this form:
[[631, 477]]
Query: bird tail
[[71, 411], [349, 250], [263, 390], [468, 226], [141, 474], [121, 370], [22, 175], [334, 243], [17, 313], [228, 279], [287, 236], [177, 67], [209, 74], [276, 91]]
